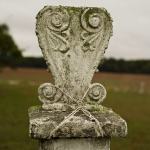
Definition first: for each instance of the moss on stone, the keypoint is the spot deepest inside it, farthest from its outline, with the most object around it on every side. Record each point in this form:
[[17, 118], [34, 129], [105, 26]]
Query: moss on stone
[[34, 108]]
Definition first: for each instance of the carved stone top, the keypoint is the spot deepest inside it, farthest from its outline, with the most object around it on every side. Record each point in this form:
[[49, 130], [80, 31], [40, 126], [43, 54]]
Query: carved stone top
[[73, 41]]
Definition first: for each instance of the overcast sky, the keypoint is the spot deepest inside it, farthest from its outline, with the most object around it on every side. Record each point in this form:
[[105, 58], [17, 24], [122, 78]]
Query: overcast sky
[[131, 39]]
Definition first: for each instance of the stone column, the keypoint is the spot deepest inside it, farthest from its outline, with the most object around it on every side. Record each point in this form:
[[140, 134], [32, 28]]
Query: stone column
[[76, 144], [73, 41]]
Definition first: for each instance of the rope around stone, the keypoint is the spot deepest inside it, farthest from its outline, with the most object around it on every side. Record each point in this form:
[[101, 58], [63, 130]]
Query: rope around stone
[[98, 130]]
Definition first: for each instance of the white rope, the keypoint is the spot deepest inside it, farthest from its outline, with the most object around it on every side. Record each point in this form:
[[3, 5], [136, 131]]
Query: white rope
[[67, 95], [100, 130], [64, 121], [86, 112]]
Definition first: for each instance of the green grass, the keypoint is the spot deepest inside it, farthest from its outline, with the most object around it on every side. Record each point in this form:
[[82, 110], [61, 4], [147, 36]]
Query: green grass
[[14, 103], [15, 99], [134, 108]]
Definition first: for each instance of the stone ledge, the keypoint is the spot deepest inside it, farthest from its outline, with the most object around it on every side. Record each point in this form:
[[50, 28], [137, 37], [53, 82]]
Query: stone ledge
[[43, 122]]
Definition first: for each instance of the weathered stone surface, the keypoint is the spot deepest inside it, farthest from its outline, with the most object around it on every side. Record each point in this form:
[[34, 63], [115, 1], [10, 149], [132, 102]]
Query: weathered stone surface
[[76, 144], [43, 122], [73, 41]]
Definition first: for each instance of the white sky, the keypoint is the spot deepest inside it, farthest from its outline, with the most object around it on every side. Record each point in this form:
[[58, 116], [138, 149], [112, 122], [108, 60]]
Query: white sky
[[131, 39]]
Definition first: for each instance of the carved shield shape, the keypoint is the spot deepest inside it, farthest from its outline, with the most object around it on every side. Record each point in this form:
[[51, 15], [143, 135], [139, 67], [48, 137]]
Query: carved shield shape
[[73, 42]]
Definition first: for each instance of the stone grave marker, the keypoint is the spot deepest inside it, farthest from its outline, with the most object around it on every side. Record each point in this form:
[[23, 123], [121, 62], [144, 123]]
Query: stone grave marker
[[73, 41]]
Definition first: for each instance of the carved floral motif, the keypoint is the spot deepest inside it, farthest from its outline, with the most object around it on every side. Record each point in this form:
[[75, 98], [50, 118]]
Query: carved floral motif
[[57, 22], [97, 93], [46, 92], [49, 94], [93, 21]]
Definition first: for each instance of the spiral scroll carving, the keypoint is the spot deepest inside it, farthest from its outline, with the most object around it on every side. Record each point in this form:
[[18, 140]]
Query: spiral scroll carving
[[93, 22], [49, 94], [56, 21], [46, 93], [97, 93]]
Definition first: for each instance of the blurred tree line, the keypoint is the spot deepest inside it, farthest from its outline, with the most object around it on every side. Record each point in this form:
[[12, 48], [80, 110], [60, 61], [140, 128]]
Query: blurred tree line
[[108, 65], [11, 56], [125, 66]]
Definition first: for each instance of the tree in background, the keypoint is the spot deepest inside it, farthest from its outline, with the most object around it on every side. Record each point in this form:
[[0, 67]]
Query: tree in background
[[9, 51]]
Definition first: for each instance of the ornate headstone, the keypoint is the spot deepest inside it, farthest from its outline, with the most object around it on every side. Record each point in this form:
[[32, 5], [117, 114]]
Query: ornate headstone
[[73, 41]]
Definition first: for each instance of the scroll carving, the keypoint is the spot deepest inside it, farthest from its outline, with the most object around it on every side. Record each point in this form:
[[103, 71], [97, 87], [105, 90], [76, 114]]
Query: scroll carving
[[56, 23], [50, 94], [94, 22], [97, 93]]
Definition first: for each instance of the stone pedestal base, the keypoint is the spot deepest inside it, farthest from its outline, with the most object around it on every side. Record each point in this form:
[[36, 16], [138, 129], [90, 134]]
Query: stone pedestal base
[[77, 133], [76, 144]]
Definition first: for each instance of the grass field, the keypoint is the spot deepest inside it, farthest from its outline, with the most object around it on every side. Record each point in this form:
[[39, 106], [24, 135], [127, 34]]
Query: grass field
[[128, 95]]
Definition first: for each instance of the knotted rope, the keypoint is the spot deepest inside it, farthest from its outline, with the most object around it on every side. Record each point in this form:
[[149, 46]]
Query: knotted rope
[[99, 130]]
